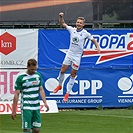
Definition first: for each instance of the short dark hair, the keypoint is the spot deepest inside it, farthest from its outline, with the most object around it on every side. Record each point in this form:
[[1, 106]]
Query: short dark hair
[[31, 62]]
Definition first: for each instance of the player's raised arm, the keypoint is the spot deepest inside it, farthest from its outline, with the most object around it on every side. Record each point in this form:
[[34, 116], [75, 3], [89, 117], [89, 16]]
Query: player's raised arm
[[61, 20]]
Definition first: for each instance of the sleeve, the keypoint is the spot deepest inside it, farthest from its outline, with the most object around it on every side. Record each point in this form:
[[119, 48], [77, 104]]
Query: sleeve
[[89, 36], [18, 83], [40, 81], [40, 78], [69, 28]]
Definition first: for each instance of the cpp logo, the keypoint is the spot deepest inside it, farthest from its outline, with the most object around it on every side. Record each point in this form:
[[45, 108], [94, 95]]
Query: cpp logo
[[83, 85], [126, 85]]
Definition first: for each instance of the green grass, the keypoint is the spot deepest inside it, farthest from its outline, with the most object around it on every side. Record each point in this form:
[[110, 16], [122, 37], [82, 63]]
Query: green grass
[[77, 121]]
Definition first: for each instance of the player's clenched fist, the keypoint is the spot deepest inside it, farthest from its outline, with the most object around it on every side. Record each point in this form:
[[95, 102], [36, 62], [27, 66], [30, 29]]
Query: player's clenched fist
[[61, 14]]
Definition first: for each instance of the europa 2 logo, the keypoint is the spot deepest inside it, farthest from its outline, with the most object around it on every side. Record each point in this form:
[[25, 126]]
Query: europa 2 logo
[[112, 47], [7, 43]]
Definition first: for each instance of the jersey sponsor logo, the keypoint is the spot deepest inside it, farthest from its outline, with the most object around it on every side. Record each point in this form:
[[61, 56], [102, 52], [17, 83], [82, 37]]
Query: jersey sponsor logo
[[28, 83], [112, 47], [75, 40]]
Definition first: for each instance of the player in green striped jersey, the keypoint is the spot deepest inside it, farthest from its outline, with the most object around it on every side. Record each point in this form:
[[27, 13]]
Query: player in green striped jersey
[[29, 84]]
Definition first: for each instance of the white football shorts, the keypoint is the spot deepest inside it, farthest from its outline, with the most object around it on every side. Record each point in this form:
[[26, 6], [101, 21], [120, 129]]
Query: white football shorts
[[73, 61]]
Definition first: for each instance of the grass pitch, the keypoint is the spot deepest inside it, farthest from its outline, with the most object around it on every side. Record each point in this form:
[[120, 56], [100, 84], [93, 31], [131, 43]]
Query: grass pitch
[[77, 121]]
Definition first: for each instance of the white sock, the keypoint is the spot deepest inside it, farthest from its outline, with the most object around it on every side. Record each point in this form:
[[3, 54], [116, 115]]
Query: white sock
[[61, 78], [70, 84]]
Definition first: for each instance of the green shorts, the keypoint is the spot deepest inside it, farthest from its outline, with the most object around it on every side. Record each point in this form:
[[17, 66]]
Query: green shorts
[[30, 119]]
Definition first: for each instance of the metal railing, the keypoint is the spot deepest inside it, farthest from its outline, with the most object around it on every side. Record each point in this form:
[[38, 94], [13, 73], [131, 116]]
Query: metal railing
[[55, 24]]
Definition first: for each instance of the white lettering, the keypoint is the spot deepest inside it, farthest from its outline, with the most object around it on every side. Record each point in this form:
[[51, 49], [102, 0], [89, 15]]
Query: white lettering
[[6, 44], [125, 100], [96, 85], [109, 42], [75, 101], [84, 85], [94, 100]]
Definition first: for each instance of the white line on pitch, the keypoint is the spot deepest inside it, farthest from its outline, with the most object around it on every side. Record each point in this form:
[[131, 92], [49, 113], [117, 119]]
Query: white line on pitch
[[113, 116]]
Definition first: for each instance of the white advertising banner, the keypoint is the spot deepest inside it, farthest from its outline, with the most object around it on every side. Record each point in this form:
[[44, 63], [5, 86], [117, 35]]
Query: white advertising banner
[[6, 107], [7, 82], [17, 46]]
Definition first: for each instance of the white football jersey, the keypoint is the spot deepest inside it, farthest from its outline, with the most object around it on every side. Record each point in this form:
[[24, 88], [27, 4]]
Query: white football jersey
[[77, 40]]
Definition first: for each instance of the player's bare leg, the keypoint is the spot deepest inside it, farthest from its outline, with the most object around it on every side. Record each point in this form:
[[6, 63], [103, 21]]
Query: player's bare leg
[[61, 78], [70, 84]]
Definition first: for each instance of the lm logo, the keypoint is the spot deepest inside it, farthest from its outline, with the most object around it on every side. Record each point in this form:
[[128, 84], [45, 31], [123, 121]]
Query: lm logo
[[83, 86], [7, 43], [126, 84]]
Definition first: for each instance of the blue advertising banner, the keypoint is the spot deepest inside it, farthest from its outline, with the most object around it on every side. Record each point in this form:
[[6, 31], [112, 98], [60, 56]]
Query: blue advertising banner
[[103, 79], [92, 88], [116, 48]]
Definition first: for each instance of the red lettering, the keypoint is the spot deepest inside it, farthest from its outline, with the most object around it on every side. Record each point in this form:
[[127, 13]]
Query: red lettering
[[131, 35], [18, 108], [12, 74], [9, 107], [2, 107], [3, 82], [6, 108], [41, 107], [130, 45]]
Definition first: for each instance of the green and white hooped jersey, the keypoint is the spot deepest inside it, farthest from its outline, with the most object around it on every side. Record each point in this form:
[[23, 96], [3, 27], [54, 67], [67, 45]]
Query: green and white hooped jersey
[[29, 88]]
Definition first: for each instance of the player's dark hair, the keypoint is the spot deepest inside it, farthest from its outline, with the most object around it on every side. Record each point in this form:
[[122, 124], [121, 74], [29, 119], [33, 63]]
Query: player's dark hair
[[31, 62]]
